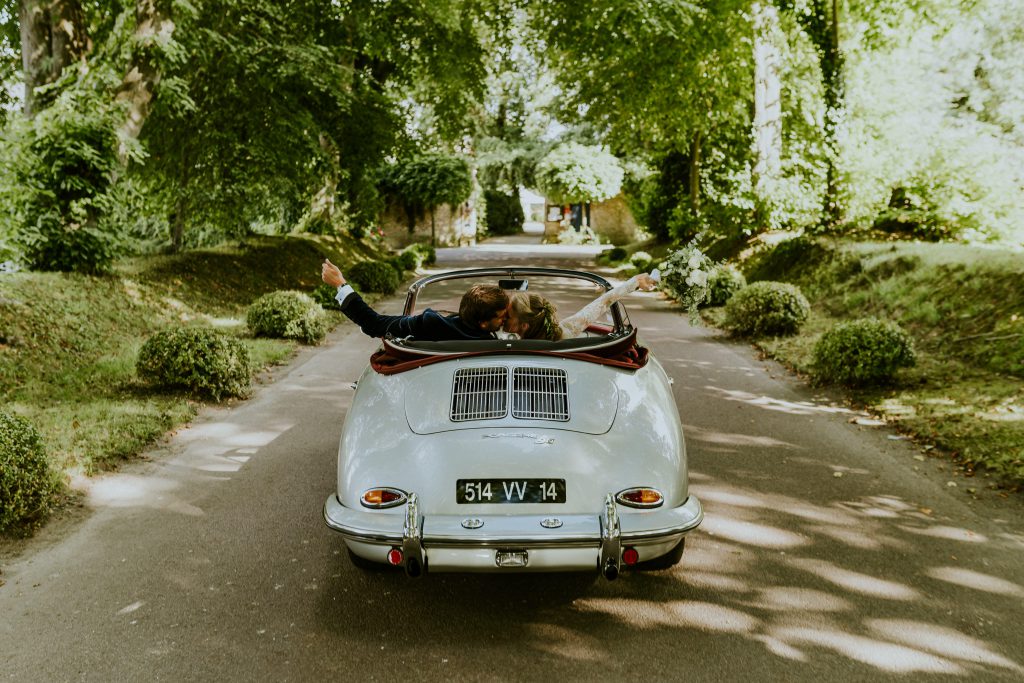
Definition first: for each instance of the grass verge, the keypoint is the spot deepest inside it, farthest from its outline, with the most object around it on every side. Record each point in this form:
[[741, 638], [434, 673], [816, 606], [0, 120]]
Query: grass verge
[[68, 342], [964, 307]]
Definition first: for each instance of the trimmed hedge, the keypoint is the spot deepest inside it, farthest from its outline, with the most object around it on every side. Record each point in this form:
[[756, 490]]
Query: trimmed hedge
[[199, 360], [410, 259], [324, 295], [723, 282], [615, 255], [373, 276], [642, 261], [287, 314], [427, 253], [27, 484], [864, 351], [766, 308]]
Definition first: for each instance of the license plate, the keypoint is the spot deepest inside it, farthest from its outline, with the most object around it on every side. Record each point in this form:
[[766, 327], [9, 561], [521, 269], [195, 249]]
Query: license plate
[[510, 491]]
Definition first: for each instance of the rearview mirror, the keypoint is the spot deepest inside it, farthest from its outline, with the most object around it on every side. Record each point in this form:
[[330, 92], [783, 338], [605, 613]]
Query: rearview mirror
[[517, 285]]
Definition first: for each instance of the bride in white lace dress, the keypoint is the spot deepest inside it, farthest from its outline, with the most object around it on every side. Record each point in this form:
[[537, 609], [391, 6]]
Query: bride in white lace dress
[[534, 317]]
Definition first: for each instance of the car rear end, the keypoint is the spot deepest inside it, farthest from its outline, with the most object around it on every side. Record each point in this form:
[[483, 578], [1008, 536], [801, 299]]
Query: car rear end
[[513, 463]]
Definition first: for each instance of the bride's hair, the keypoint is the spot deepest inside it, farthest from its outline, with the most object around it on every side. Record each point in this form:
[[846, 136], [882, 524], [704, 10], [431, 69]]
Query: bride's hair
[[538, 314]]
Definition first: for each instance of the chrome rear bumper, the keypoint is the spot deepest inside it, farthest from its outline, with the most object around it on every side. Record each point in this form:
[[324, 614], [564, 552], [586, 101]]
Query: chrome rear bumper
[[593, 541]]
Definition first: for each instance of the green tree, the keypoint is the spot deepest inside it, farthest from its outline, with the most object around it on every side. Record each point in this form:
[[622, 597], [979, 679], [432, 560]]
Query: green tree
[[425, 182], [575, 173]]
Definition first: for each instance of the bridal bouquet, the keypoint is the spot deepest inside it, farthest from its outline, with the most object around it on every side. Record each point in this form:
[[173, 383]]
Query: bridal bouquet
[[685, 275]]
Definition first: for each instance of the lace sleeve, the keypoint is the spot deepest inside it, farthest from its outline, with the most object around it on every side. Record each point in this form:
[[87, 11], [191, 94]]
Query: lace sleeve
[[576, 325]]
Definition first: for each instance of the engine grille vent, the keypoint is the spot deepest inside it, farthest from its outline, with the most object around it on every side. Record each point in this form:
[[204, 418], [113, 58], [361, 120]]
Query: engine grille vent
[[540, 394], [479, 394]]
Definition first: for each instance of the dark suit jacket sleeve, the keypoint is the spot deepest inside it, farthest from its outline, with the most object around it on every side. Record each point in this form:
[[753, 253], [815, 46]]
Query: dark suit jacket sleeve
[[378, 325]]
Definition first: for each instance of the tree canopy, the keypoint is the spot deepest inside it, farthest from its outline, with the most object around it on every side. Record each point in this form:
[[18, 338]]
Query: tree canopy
[[139, 124]]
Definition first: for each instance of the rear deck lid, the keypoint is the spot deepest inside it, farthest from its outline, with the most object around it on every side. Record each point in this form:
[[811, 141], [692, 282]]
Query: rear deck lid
[[574, 396]]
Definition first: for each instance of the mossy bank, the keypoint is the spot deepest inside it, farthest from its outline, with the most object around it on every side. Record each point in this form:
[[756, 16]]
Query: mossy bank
[[69, 342], [964, 309]]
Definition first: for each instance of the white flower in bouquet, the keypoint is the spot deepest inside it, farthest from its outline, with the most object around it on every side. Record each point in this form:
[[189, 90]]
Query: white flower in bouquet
[[685, 274]]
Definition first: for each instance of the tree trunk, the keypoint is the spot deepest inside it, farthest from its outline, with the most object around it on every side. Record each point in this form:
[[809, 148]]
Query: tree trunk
[[53, 36], [835, 104], [767, 131], [433, 237], [153, 27], [695, 143], [820, 21]]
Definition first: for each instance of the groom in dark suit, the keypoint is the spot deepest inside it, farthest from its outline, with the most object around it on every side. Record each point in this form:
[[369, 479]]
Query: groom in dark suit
[[482, 312]]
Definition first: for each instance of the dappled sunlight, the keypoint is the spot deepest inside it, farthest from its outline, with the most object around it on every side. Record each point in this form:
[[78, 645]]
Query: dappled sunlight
[[950, 533], [718, 558], [856, 582], [877, 653], [711, 617], [749, 533], [702, 616], [975, 580], [776, 404], [128, 490], [942, 641], [222, 446], [739, 440], [856, 539], [718, 582], [781, 649], [796, 507], [797, 599]]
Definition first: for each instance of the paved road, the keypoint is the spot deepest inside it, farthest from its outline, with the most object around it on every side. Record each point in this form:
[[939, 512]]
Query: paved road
[[828, 553]]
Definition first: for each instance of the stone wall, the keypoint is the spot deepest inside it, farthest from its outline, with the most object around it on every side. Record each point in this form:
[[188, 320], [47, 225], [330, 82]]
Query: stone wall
[[452, 227], [611, 220]]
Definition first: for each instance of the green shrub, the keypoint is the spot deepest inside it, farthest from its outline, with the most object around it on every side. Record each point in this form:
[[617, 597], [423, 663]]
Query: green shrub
[[615, 255], [723, 282], [373, 276], [426, 251], [787, 261], [642, 261], [396, 265], [766, 308], [324, 295], [410, 260], [287, 314], [862, 351], [200, 360], [503, 213], [27, 484], [61, 163]]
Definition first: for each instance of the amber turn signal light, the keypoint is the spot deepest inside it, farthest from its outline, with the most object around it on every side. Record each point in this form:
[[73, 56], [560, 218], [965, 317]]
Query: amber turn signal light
[[383, 497], [640, 497]]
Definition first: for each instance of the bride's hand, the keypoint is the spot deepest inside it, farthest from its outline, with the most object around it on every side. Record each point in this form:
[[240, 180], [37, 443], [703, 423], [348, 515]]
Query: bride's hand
[[646, 282]]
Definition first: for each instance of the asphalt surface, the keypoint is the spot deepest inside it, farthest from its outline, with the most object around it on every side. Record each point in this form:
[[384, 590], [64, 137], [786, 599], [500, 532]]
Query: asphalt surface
[[830, 551]]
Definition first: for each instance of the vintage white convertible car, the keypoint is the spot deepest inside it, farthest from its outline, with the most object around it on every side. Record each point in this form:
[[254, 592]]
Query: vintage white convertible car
[[514, 455]]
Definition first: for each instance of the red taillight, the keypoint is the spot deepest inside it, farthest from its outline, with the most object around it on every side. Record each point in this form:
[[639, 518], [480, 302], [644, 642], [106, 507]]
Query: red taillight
[[395, 557], [630, 556], [383, 497], [640, 497]]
